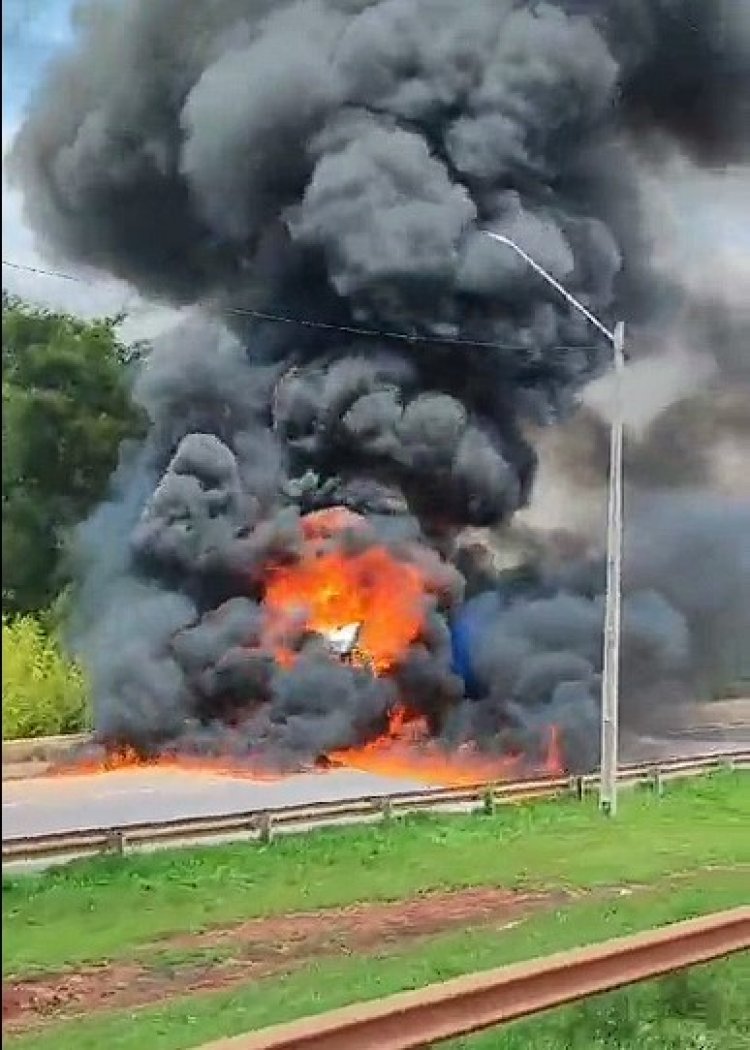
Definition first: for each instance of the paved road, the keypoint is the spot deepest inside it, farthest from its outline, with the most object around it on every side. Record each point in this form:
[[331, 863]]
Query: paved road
[[685, 743], [65, 803]]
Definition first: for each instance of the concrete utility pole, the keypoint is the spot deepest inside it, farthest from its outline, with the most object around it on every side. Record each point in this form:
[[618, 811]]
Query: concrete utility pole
[[613, 594], [610, 697]]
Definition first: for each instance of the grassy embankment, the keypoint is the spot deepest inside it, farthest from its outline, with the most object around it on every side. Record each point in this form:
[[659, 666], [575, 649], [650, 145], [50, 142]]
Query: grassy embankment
[[681, 855]]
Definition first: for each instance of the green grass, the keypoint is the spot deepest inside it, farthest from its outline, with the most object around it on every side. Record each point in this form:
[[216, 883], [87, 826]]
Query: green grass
[[103, 908], [707, 1009]]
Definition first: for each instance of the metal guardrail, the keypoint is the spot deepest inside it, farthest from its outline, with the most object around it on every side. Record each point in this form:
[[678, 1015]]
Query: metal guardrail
[[476, 1001], [262, 823]]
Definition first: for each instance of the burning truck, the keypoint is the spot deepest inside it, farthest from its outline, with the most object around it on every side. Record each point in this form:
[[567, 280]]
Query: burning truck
[[279, 573]]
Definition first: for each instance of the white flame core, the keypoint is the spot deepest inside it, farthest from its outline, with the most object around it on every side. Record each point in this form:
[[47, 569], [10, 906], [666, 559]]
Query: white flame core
[[341, 640]]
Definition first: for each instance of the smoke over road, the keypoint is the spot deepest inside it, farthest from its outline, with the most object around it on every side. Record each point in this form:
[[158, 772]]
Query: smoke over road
[[336, 161]]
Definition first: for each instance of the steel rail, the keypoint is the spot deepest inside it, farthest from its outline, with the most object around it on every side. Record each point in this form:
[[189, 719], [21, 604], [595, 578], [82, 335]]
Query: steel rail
[[482, 1000], [260, 823]]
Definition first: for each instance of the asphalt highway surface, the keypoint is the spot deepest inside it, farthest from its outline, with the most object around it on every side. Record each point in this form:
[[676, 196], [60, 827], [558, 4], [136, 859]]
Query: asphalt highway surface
[[45, 804], [66, 803]]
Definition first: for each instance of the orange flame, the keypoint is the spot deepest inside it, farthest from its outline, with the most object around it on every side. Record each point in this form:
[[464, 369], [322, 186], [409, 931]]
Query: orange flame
[[327, 590], [554, 763], [404, 752], [330, 589], [127, 759], [407, 751]]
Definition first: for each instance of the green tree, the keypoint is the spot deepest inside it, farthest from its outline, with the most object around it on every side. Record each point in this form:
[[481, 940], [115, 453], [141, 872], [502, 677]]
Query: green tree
[[66, 409]]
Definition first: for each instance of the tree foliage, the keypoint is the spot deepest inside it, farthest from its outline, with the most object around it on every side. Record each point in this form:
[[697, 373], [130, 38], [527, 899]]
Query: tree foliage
[[66, 410], [44, 693]]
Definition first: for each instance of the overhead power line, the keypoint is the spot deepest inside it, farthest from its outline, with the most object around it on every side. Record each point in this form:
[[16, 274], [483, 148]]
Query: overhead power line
[[46, 273], [306, 322]]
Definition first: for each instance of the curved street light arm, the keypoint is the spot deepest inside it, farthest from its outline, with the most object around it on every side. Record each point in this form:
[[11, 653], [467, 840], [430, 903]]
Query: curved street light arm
[[502, 239]]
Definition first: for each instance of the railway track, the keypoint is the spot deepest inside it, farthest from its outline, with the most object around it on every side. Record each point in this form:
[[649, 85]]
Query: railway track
[[262, 824]]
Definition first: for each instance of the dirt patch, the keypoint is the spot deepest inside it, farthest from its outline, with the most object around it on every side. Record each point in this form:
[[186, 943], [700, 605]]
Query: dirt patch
[[363, 926], [258, 948]]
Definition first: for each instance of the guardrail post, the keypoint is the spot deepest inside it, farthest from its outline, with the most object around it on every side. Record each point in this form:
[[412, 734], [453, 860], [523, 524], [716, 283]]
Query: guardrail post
[[657, 781], [729, 765], [577, 787], [115, 841], [386, 809], [265, 829], [489, 803]]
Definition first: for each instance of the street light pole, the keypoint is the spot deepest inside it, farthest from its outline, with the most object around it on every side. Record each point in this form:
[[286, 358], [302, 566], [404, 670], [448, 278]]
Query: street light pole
[[613, 593], [610, 692]]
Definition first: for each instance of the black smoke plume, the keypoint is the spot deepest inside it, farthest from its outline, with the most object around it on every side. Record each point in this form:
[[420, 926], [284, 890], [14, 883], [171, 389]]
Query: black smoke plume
[[336, 161]]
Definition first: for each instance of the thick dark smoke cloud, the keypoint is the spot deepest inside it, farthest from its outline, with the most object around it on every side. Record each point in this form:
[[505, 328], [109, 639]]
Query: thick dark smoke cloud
[[337, 160], [535, 645]]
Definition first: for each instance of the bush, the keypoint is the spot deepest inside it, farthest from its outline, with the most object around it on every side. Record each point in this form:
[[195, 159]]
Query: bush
[[44, 693]]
